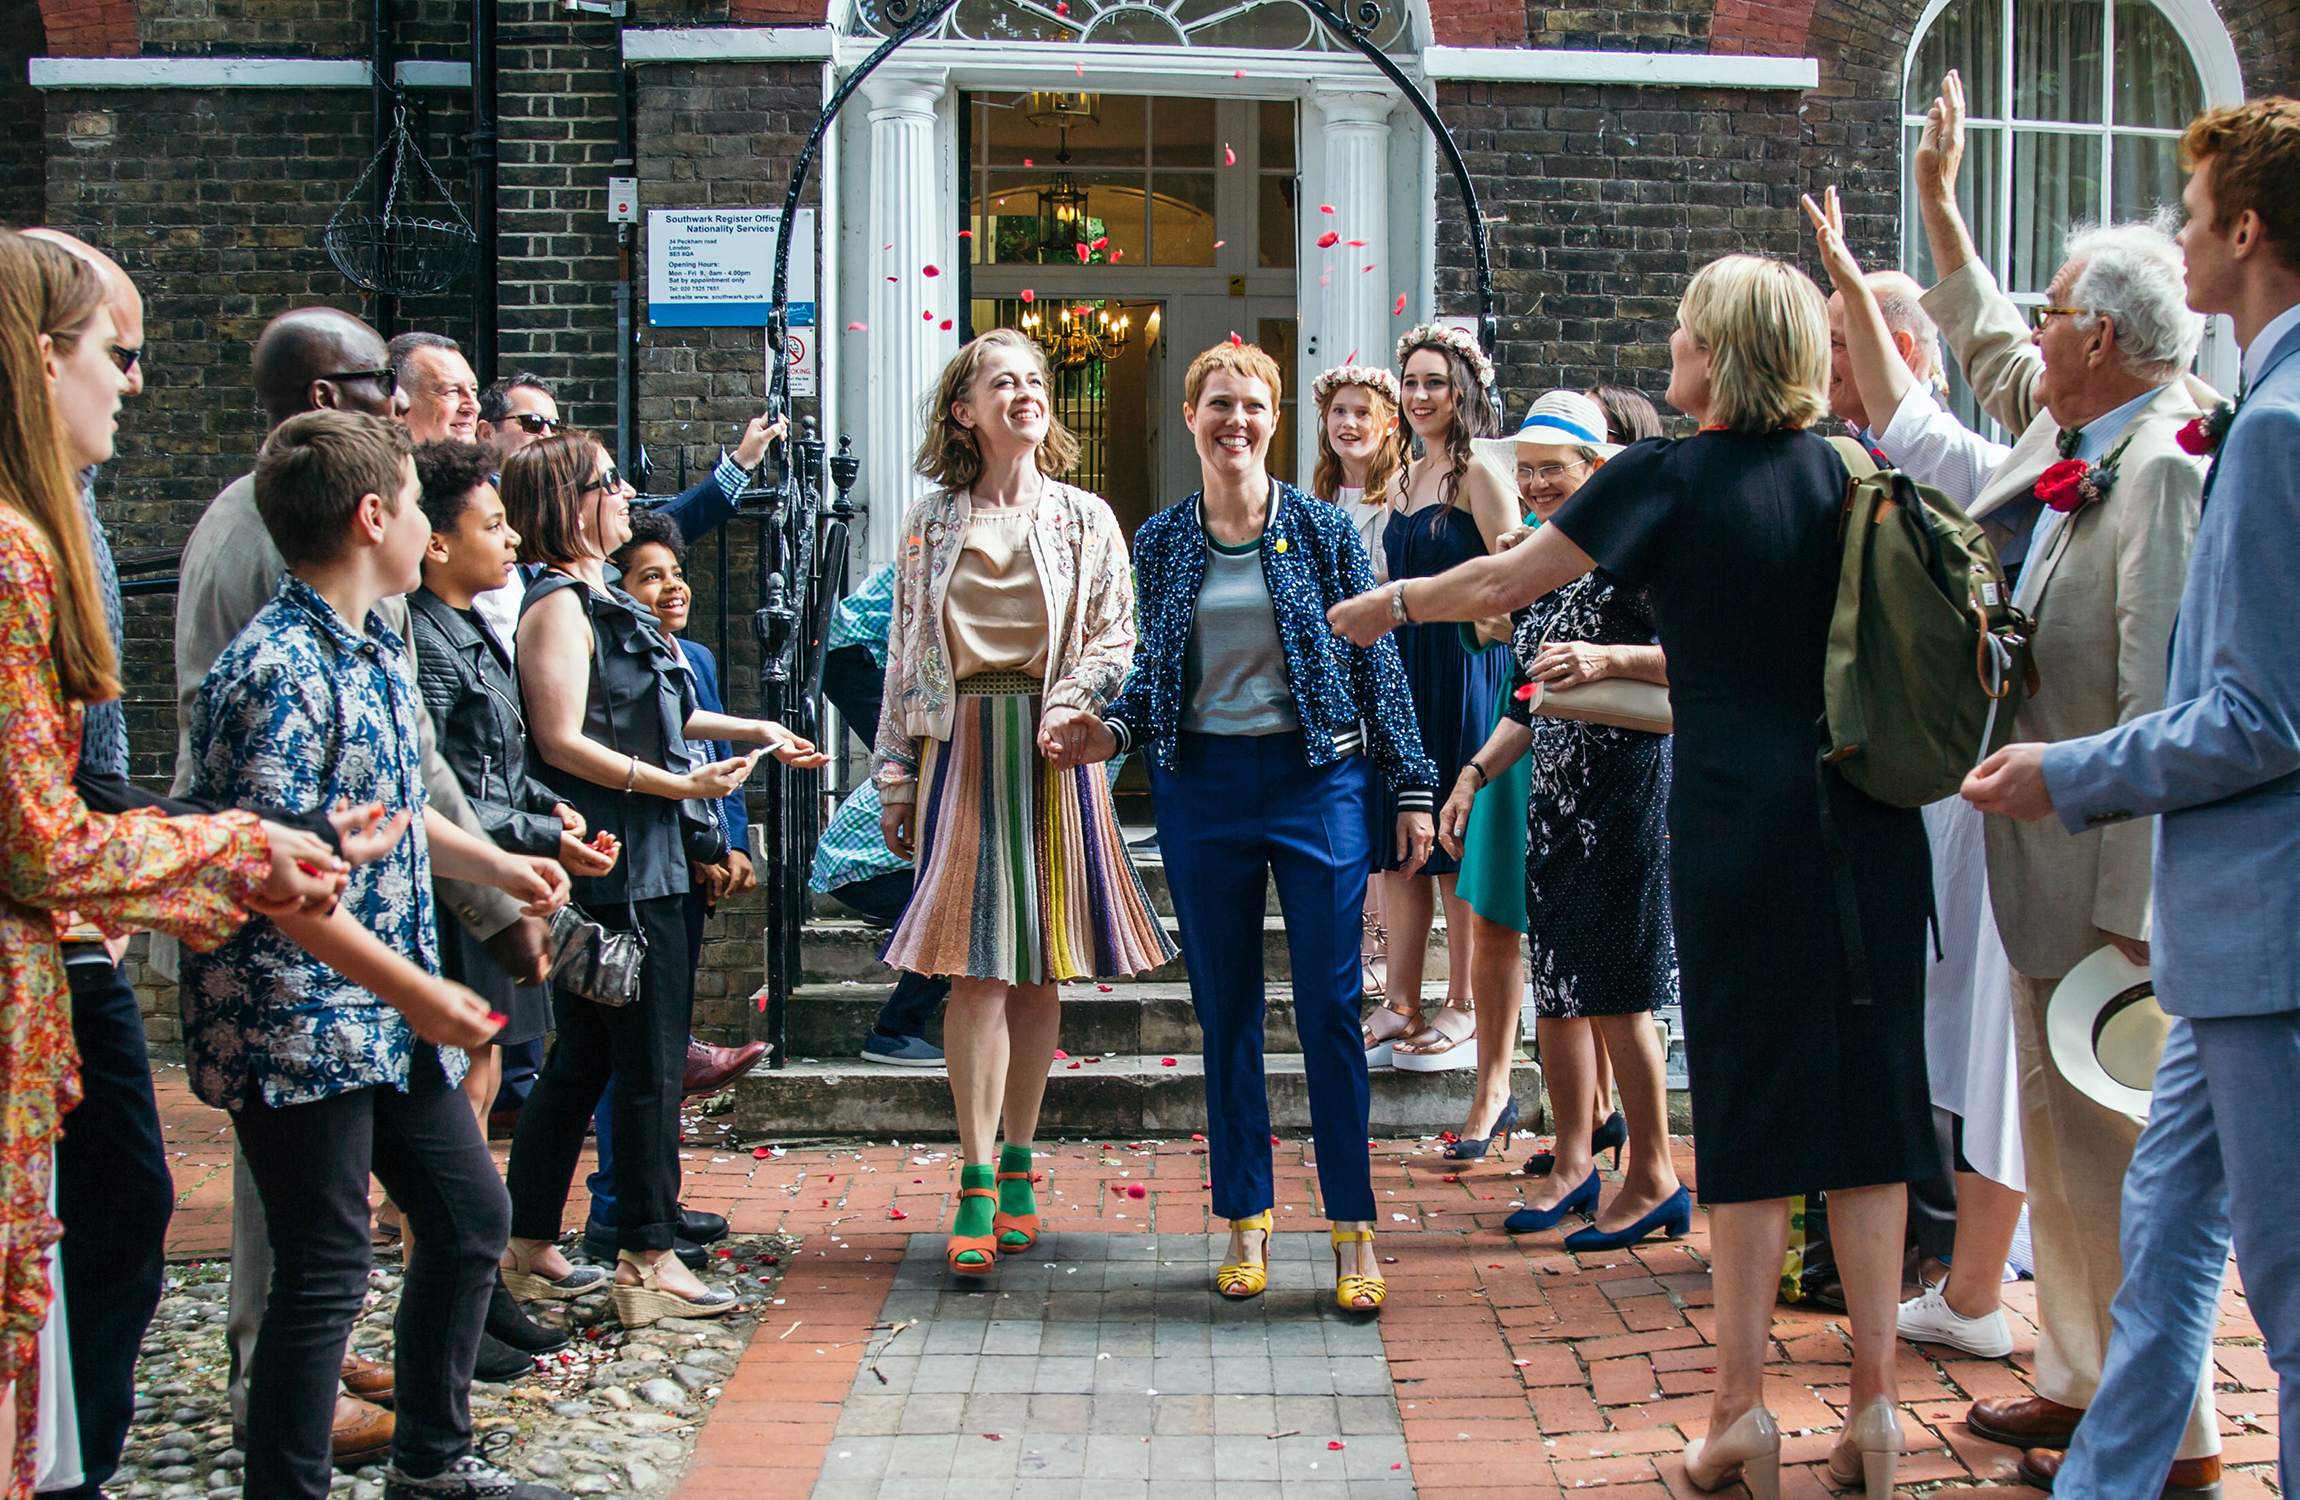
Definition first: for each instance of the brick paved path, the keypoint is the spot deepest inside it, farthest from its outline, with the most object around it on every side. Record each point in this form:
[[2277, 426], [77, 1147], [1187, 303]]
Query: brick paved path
[[1517, 1370]]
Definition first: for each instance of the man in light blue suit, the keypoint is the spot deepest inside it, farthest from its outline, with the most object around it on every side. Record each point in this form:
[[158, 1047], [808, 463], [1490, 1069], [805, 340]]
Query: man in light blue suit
[[2220, 766]]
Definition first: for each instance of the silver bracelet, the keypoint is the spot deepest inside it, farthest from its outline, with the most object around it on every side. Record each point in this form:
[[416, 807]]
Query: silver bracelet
[[632, 780]]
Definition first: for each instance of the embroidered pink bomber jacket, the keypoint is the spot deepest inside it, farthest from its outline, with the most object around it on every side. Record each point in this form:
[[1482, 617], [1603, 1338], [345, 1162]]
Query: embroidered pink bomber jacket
[[1088, 583]]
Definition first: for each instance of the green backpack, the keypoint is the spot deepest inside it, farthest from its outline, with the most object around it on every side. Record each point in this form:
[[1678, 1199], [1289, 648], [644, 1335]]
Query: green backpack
[[1928, 660]]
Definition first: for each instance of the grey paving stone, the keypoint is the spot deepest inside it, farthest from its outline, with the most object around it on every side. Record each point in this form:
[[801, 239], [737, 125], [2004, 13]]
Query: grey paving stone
[[945, 1372], [1059, 1352], [922, 1455], [1245, 1456]]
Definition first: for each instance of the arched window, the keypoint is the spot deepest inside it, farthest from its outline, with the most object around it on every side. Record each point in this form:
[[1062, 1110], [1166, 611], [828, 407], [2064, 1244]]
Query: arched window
[[2074, 112]]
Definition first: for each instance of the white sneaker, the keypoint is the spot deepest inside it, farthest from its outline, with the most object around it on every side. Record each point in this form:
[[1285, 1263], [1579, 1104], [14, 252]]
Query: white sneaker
[[1928, 1319]]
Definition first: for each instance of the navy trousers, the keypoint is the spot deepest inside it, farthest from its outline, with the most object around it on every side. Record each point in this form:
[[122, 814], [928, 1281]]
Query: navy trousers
[[114, 1196], [1235, 812]]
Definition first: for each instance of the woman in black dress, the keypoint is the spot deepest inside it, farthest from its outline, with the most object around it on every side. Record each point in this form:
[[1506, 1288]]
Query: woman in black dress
[[1734, 534]]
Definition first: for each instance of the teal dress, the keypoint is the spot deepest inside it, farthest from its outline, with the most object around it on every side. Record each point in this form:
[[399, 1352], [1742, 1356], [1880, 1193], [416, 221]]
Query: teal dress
[[1492, 878]]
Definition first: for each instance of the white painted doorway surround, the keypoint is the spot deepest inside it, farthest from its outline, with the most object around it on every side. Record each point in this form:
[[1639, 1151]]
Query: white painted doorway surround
[[1362, 149]]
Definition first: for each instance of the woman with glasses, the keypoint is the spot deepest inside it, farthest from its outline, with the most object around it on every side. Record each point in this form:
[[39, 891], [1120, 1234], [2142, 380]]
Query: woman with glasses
[[610, 707], [1593, 854]]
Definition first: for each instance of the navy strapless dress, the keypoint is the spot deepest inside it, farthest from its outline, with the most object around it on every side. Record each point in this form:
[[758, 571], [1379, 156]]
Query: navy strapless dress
[[1454, 688]]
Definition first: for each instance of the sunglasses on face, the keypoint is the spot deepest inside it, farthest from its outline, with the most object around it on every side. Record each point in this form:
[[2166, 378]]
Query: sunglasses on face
[[611, 480], [125, 358], [2039, 316], [535, 422], [384, 377]]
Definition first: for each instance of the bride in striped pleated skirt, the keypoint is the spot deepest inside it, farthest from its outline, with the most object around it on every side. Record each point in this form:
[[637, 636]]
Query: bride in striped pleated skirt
[[1013, 626]]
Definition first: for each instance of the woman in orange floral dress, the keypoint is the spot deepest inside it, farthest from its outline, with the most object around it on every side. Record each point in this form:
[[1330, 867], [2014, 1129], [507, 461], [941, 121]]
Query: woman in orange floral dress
[[195, 878]]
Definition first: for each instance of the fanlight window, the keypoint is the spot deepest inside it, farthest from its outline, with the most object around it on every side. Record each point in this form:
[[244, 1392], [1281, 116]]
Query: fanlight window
[[1270, 25]]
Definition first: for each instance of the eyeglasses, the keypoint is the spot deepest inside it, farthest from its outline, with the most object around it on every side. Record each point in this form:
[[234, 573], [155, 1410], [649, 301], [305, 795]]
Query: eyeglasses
[[125, 358], [611, 480], [385, 376], [1549, 473], [535, 422], [2039, 316]]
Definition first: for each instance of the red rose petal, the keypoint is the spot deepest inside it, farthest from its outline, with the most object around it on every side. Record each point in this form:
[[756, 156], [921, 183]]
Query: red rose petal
[[1399, 310], [896, 1213], [1336, 1446], [1030, 296], [945, 325], [930, 270], [966, 234], [1328, 240], [1229, 157], [1106, 988], [1235, 341], [1325, 208], [1136, 1190], [1102, 242], [1354, 242], [858, 328], [1166, 1062], [762, 1153], [1060, 1055], [1085, 253]]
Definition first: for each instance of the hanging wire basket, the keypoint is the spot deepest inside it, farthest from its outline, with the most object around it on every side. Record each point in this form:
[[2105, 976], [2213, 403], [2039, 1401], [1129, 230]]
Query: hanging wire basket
[[396, 252]]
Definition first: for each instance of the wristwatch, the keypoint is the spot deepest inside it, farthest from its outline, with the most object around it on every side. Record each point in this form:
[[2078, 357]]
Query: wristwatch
[[1398, 604]]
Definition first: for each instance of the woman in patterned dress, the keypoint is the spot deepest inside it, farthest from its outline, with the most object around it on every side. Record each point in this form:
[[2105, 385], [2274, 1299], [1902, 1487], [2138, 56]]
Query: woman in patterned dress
[[1013, 625], [195, 878], [1596, 849]]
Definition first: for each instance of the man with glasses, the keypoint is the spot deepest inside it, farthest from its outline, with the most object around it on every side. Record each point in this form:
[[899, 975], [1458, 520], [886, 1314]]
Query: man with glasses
[[517, 410], [442, 392], [2094, 377]]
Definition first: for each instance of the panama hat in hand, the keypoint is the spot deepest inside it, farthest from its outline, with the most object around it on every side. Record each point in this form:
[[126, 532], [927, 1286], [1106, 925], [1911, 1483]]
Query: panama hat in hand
[[2107, 1032]]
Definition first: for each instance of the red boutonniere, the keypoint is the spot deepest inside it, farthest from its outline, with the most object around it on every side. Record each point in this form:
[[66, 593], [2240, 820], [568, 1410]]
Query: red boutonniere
[[2203, 435], [2073, 484]]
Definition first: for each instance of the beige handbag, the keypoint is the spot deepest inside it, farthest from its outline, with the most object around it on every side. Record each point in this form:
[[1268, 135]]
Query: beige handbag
[[1623, 702]]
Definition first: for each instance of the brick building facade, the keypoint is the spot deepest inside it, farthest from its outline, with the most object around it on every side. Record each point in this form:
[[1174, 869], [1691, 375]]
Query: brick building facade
[[1615, 145]]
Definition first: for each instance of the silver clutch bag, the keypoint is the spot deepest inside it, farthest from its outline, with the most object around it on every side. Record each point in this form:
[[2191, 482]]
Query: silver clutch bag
[[588, 960]]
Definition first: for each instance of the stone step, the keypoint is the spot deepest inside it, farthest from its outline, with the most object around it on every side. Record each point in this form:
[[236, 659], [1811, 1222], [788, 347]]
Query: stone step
[[834, 948], [1124, 1096], [830, 1020]]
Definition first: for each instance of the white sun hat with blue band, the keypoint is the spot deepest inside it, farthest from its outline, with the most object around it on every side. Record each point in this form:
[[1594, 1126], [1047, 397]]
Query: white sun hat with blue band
[[1569, 419]]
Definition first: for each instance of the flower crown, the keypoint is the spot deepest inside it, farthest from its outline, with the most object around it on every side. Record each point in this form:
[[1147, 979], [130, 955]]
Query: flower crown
[[1371, 376], [1447, 336]]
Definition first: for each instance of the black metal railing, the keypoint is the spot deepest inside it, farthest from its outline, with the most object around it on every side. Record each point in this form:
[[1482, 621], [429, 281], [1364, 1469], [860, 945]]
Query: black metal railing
[[802, 567], [160, 563]]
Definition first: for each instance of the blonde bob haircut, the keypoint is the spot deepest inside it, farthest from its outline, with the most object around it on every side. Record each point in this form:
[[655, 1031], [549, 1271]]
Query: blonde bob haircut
[[1249, 360], [1766, 327], [949, 455]]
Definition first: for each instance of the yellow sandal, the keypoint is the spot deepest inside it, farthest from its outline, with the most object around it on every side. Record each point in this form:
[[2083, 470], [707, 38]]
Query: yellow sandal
[[1348, 1288], [1247, 1279]]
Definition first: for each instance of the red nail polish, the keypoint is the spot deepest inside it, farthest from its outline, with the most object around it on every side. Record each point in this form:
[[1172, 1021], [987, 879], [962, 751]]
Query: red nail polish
[[498, 1019], [308, 868]]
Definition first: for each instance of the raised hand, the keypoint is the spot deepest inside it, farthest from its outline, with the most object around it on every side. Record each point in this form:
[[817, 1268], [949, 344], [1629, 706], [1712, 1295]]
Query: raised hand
[[1941, 146], [1828, 218]]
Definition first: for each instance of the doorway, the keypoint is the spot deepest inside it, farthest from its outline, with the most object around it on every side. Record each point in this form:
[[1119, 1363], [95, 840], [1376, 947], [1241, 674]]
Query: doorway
[[1128, 233]]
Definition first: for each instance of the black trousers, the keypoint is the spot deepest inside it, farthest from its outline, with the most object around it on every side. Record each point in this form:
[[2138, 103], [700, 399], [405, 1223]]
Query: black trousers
[[643, 1047], [856, 686], [882, 899], [311, 1165], [115, 1197]]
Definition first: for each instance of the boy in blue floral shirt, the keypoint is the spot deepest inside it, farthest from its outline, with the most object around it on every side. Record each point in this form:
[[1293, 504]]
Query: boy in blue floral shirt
[[345, 1059]]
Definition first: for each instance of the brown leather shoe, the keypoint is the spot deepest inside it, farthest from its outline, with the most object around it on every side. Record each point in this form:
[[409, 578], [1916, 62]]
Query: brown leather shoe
[[368, 1379], [2191, 1478], [2031, 1422], [710, 1069], [362, 1433]]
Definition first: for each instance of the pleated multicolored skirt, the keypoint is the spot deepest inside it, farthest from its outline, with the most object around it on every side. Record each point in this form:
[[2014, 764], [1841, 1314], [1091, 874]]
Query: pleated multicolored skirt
[[1022, 873]]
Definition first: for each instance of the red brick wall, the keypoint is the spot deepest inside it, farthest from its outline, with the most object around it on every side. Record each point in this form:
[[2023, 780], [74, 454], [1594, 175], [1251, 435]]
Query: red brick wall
[[1478, 23], [777, 12], [1776, 28], [90, 28]]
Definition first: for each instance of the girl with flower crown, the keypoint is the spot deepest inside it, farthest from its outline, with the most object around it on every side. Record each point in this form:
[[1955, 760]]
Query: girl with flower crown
[[1446, 508], [1361, 448]]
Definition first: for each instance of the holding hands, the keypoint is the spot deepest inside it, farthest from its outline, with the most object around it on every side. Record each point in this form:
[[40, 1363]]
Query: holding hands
[[305, 874], [1070, 737]]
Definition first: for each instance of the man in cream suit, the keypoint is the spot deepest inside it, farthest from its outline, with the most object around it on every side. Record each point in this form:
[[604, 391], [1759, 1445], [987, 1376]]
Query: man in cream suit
[[2218, 770], [2098, 381]]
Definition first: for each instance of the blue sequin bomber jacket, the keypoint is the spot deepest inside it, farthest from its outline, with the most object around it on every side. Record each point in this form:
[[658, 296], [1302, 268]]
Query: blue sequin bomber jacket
[[1348, 698]]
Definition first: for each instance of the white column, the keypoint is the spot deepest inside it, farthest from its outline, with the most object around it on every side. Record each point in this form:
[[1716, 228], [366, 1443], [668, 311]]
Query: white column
[[907, 350], [1353, 303]]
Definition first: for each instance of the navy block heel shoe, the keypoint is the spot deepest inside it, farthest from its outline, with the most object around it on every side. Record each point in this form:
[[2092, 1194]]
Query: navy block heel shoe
[[1671, 1219], [1582, 1200], [1611, 1136], [1474, 1149]]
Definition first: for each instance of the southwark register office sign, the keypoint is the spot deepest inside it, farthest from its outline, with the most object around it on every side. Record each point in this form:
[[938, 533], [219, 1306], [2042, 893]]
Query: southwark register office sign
[[715, 267]]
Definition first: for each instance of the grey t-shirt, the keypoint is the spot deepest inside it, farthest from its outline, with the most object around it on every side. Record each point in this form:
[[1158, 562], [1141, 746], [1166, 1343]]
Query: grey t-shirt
[[1234, 672]]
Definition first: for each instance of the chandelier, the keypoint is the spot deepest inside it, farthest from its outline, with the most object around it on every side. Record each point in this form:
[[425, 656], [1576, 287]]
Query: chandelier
[[1079, 336]]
